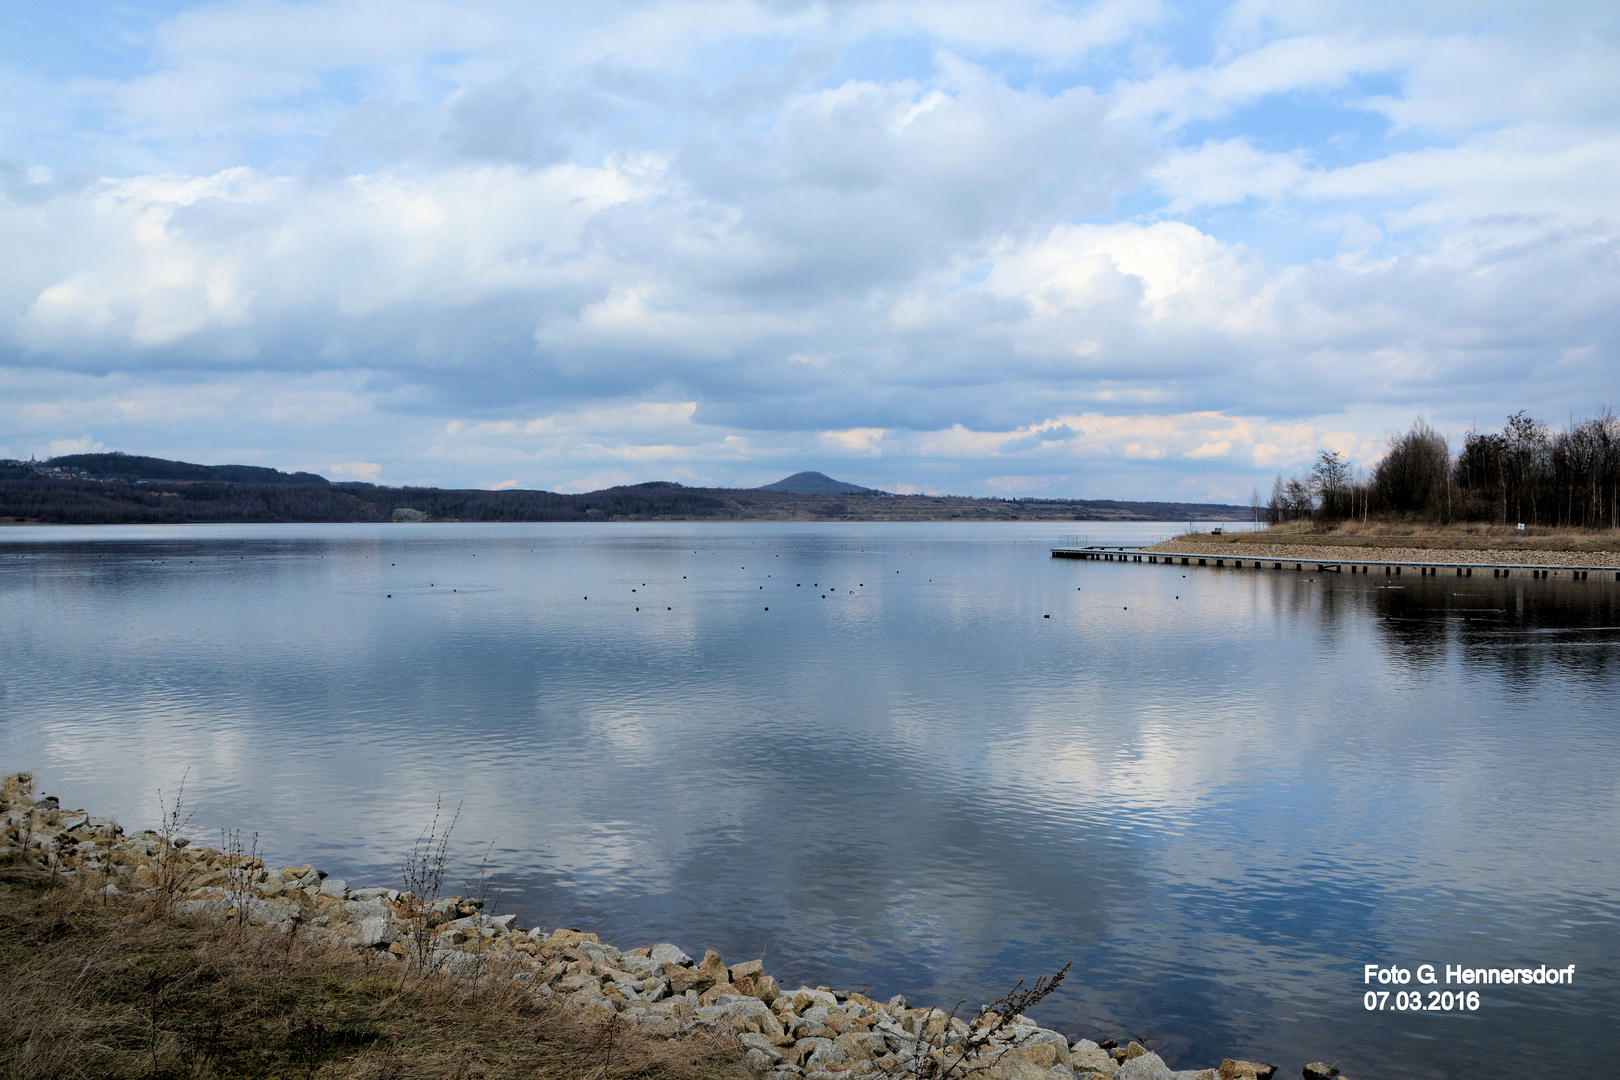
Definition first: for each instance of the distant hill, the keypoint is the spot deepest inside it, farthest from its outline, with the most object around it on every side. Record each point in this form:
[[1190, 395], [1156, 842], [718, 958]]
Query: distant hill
[[814, 483], [116, 466], [110, 489]]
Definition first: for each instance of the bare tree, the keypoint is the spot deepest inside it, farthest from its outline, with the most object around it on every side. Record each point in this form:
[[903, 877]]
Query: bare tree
[[1330, 477], [1415, 471]]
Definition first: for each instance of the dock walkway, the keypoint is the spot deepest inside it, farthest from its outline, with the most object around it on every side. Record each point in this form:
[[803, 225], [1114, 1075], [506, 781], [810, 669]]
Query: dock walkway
[[1332, 566]]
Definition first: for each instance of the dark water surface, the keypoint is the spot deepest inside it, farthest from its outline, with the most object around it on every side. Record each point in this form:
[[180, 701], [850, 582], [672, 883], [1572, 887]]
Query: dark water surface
[[1220, 793]]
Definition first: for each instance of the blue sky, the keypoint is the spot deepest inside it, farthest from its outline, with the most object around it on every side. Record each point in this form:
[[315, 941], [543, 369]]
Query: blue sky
[[1119, 249]]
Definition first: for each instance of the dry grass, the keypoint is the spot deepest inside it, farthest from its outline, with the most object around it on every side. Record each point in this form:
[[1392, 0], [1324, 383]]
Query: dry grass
[[1403, 534], [91, 988]]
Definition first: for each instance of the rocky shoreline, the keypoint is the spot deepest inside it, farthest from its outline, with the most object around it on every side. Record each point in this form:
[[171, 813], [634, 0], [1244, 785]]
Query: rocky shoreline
[[807, 1033]]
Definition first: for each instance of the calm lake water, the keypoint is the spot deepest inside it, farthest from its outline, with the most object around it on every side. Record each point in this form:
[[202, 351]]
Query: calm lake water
[[864, 753]]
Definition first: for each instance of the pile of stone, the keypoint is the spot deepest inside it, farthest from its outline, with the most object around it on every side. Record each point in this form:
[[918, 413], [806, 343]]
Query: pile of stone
[[787, 1034]]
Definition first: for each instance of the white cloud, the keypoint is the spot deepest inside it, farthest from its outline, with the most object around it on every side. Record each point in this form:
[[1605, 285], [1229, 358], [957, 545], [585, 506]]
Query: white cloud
[[82, 445], [1524, 178], [1175, 97], [1219, 173], [493, 242], [856, 440]]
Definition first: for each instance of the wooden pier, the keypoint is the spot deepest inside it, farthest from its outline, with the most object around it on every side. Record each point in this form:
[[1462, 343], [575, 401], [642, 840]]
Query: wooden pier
[[1370, 566]]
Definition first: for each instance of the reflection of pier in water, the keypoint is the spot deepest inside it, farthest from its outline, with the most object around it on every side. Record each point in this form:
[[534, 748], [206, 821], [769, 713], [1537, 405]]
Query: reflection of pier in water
[[1331, 566]]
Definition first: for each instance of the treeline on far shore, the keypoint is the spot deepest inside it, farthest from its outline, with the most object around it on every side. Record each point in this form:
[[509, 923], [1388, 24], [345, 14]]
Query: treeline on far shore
[[35, 494], [26, 497], [1525, 473]]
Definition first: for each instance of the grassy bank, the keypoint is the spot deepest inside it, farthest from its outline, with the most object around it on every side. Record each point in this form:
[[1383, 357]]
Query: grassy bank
[[1423, 535], [94, 986], [1463, 545]]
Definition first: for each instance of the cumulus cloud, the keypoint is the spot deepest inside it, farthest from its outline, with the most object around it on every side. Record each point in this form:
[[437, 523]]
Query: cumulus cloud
[[82, 445], [927, 245]]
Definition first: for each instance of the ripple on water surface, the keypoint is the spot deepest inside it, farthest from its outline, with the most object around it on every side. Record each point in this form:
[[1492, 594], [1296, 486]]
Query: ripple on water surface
[[1218, 792]]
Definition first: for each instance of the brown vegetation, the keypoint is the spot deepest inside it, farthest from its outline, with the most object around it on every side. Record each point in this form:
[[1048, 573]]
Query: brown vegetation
[[1397, 533], [953, 1055], [92, 986]]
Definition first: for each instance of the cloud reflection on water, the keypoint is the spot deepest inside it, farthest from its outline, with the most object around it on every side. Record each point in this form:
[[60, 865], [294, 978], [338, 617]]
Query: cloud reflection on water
[[1218, 805]]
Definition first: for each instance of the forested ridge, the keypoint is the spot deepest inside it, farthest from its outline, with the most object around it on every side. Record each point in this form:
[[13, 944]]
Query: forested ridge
[[61, 491], [75, 501]]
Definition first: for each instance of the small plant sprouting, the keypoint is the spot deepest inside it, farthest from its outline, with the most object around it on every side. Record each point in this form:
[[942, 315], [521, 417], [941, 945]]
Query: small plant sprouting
[[423, 874], [479, 889], [25, 839], [241, 862], [946, 1054], [479, 898], [171, 870]]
